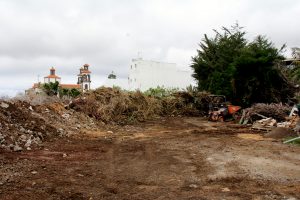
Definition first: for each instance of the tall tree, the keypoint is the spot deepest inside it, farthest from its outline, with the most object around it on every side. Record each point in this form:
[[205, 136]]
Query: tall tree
[[258, 78], [245, 72], [213, 64]]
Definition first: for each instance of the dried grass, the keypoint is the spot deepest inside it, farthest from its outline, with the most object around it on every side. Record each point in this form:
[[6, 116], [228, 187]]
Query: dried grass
[[112, 105]]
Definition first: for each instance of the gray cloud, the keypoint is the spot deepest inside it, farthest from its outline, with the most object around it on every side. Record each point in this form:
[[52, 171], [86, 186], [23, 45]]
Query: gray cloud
[[38, 34]]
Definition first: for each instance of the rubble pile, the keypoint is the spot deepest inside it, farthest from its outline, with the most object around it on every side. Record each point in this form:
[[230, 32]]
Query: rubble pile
[[276, 111], [24, 126], [272, 117], [20, 128]]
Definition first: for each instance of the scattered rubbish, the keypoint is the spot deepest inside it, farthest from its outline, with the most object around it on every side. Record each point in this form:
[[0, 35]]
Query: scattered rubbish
[[266, 124]]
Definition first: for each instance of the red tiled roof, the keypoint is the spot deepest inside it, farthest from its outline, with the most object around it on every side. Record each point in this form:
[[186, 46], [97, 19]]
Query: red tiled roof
[[52, 76], [70, 86]]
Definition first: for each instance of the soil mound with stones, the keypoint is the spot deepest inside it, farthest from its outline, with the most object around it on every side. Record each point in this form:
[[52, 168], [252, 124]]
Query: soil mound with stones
[[20, 127]]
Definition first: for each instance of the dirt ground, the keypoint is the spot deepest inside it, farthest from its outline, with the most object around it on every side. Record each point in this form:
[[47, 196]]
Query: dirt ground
[[172, 158]]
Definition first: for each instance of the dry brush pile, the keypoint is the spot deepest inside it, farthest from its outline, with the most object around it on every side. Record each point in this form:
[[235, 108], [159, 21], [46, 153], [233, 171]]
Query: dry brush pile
[[112, 105], [275, 111]]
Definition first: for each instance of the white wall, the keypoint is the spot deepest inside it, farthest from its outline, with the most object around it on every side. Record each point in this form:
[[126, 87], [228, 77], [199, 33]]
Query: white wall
[[53, 80], [145, 74]]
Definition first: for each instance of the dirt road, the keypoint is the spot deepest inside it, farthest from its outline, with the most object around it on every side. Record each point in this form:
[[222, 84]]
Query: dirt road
[[176, 158]]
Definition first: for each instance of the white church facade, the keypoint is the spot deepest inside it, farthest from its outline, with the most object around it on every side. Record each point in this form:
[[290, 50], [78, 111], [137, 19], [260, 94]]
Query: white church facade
[[83, 83], [145, 74]]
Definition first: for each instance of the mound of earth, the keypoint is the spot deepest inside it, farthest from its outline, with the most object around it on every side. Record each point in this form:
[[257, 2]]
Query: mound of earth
[[280, 133]]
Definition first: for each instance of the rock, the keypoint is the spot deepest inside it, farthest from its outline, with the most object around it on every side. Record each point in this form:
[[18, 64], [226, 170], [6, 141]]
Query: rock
[[36, 140], [110, 132], [4, 105], [30, 108], [34, 172], [225, 189], [23, 138], [66, 116], [40, 135], [22, 129], [193, 186], [28, 143], [65, 155], [17, 148]]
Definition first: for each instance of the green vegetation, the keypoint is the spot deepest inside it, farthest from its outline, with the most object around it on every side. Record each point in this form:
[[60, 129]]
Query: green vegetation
[[246, 72], [53, 89], [160, 92], [69, 92]]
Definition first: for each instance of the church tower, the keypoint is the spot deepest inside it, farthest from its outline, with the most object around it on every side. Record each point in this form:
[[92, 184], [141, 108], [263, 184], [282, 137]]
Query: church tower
[[52, 77], [84, 78]]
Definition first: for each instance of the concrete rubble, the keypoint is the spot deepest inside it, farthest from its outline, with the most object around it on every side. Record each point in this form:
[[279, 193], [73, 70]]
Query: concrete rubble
[[24, 126], [282, 124]]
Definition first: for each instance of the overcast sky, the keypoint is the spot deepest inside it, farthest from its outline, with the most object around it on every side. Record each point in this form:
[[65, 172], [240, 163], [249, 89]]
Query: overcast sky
[[107, 34]]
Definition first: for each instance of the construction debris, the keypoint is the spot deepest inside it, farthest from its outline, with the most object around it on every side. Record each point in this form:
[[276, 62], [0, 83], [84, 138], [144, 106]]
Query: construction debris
[[24, 126], [264, 124]]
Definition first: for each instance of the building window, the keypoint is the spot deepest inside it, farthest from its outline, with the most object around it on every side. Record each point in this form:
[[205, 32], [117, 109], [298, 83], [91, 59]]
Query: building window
[[86, 87]]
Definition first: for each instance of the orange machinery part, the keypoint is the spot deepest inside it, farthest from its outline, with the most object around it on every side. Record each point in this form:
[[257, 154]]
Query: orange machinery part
[[232, 109]]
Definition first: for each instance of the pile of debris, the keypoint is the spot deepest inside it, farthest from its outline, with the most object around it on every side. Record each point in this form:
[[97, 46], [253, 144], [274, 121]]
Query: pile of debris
[[20, 128], [275, 111], [266, 117], [24, 126], [112, 105]]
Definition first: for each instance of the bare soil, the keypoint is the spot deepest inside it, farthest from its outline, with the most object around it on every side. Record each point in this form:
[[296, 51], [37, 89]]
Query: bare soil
[[169, 158]]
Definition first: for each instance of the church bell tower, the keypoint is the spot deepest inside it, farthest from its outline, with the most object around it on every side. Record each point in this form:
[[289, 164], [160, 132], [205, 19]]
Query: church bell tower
[[84, 78]]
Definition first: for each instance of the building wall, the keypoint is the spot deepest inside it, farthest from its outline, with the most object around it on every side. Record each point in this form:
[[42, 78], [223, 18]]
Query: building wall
[[53, 80], [146, 74]]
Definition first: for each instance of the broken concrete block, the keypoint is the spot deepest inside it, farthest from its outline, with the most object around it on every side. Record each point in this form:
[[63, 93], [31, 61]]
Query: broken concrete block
[[4, 105]]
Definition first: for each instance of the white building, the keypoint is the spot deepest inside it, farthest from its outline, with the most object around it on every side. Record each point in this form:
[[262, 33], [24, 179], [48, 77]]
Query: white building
[[145, 74]]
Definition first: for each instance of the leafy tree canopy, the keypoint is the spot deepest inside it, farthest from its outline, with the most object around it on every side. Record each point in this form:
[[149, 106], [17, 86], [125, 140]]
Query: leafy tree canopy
[[246, 72]]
